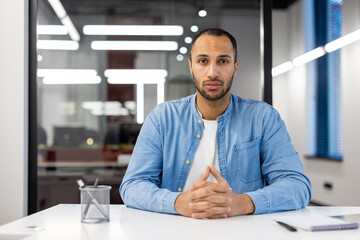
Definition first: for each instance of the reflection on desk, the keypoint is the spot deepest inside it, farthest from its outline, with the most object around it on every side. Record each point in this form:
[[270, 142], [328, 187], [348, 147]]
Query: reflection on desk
[[63, 222]]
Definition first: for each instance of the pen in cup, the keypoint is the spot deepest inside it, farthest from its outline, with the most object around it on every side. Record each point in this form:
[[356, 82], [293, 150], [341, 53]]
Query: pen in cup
[[89, 201], [92, 199]]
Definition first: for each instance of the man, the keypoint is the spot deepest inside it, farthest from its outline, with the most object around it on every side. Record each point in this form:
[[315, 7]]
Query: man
[[213, 154]]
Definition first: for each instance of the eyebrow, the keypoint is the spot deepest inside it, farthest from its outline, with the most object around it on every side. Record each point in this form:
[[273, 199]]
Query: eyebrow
[[220, 56]]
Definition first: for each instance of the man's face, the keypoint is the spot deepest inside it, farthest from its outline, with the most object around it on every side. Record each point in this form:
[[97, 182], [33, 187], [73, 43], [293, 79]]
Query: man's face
[[213, 66]]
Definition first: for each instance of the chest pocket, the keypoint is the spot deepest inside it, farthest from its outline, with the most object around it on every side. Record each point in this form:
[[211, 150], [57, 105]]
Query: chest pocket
[[247, 158]]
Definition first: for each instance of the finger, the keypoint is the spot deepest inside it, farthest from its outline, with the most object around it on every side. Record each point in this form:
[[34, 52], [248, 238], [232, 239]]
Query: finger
[[219, 210], [200, 184], [200, 215], [217, 216], [205, 174], [200, 193], [200, 206], [217, 175], [217, 199], [210, 189]]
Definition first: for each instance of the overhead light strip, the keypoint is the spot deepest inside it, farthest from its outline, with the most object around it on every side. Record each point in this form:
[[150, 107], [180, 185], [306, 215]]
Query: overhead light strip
[[51, 30], [343, 41], [134, 30], [66, 72], [57, 45], [282, 68], [65, 19], [137, 73], [317, 52], [72, 80], [135, 45], [309, 56]]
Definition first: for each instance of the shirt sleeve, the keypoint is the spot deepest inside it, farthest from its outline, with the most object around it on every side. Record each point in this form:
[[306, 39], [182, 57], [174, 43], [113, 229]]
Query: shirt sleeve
[[287, 186], [140, 186]]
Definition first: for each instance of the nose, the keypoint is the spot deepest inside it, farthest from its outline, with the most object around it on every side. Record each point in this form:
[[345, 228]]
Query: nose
[[213, 71]]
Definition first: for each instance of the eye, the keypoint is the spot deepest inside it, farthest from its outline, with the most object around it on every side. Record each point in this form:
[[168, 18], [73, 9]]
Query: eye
[[202, 61], [223, 61]]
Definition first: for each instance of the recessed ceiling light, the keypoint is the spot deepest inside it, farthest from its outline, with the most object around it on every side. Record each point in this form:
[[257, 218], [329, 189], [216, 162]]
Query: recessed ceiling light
[[188, 40], [202, 13], [183, 50], [194, 28], [179, 57]]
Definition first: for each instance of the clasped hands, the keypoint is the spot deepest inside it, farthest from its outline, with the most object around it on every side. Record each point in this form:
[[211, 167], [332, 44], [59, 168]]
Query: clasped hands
[[212, 200]]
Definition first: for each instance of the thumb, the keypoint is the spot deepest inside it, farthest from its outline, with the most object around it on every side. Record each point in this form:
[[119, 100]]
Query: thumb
[[216, 174]]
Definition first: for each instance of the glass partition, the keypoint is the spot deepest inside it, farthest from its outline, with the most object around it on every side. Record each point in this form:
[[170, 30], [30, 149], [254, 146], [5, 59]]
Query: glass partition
[[104, 65]]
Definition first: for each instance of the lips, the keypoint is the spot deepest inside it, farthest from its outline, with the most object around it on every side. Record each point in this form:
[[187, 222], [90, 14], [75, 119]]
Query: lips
[[213, 85]]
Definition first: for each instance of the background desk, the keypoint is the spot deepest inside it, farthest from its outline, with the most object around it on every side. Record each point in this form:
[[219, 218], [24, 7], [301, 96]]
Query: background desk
[[63, 222]]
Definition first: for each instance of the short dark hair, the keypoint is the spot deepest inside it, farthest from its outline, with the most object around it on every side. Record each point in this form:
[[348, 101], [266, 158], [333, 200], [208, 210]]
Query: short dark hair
[[215, 32]]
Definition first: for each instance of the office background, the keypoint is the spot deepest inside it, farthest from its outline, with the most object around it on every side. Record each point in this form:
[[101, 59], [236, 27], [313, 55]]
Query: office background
[[289, 93]]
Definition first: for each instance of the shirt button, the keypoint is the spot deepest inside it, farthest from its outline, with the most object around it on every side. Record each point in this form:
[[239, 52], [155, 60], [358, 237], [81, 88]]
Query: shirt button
[[199, 120], [179, 189], [198, 136], [187, 161]]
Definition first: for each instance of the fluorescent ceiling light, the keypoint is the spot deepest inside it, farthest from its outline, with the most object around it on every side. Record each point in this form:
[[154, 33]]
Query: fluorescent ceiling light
[[136, 73], [58, 8], [110, 112], [100, 104], [73, 33], [66, 72], [117, 80], [72, 80], [309, 56], [130, 105], [282, 68], [343, 41], [108, 108], [57, 45], [134, 30], [65, 19], [135, 45], [51, 30]]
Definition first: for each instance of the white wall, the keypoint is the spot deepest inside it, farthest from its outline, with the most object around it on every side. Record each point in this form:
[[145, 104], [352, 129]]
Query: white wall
[[290, 100], [13, 100]]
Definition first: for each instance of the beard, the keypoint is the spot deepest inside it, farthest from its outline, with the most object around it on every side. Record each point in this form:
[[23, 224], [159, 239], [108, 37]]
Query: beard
[[207, 93]]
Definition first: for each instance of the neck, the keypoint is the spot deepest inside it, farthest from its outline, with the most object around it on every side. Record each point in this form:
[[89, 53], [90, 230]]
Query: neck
[[211, 110]]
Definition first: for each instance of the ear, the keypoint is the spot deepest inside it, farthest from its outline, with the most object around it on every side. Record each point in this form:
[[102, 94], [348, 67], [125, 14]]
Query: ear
[[190, 66], [236, 65]]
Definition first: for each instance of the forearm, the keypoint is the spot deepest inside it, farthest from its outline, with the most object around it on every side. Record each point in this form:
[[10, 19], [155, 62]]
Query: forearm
[[285, 194], [147, 196]]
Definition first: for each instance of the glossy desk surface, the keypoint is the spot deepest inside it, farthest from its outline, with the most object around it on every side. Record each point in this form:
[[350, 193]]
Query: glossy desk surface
[[63, 222]]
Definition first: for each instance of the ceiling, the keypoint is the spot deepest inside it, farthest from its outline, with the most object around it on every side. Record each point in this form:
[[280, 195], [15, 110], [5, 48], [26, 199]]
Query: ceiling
[[160, 7]]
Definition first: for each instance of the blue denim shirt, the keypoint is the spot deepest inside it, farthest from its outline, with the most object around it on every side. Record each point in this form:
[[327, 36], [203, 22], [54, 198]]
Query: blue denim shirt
[[256, 156]]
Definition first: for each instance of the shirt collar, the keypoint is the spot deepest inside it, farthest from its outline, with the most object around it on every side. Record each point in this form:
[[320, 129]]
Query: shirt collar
[[198, 114]]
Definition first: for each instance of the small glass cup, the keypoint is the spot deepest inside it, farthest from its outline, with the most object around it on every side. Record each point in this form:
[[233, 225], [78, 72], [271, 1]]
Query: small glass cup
[[95, 204]]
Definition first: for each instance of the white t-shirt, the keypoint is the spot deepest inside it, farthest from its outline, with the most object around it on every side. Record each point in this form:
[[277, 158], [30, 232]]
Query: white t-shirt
[[206, 154]]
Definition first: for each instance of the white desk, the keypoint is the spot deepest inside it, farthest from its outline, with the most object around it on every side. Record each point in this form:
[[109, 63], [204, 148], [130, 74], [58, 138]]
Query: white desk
[[63, 222]]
